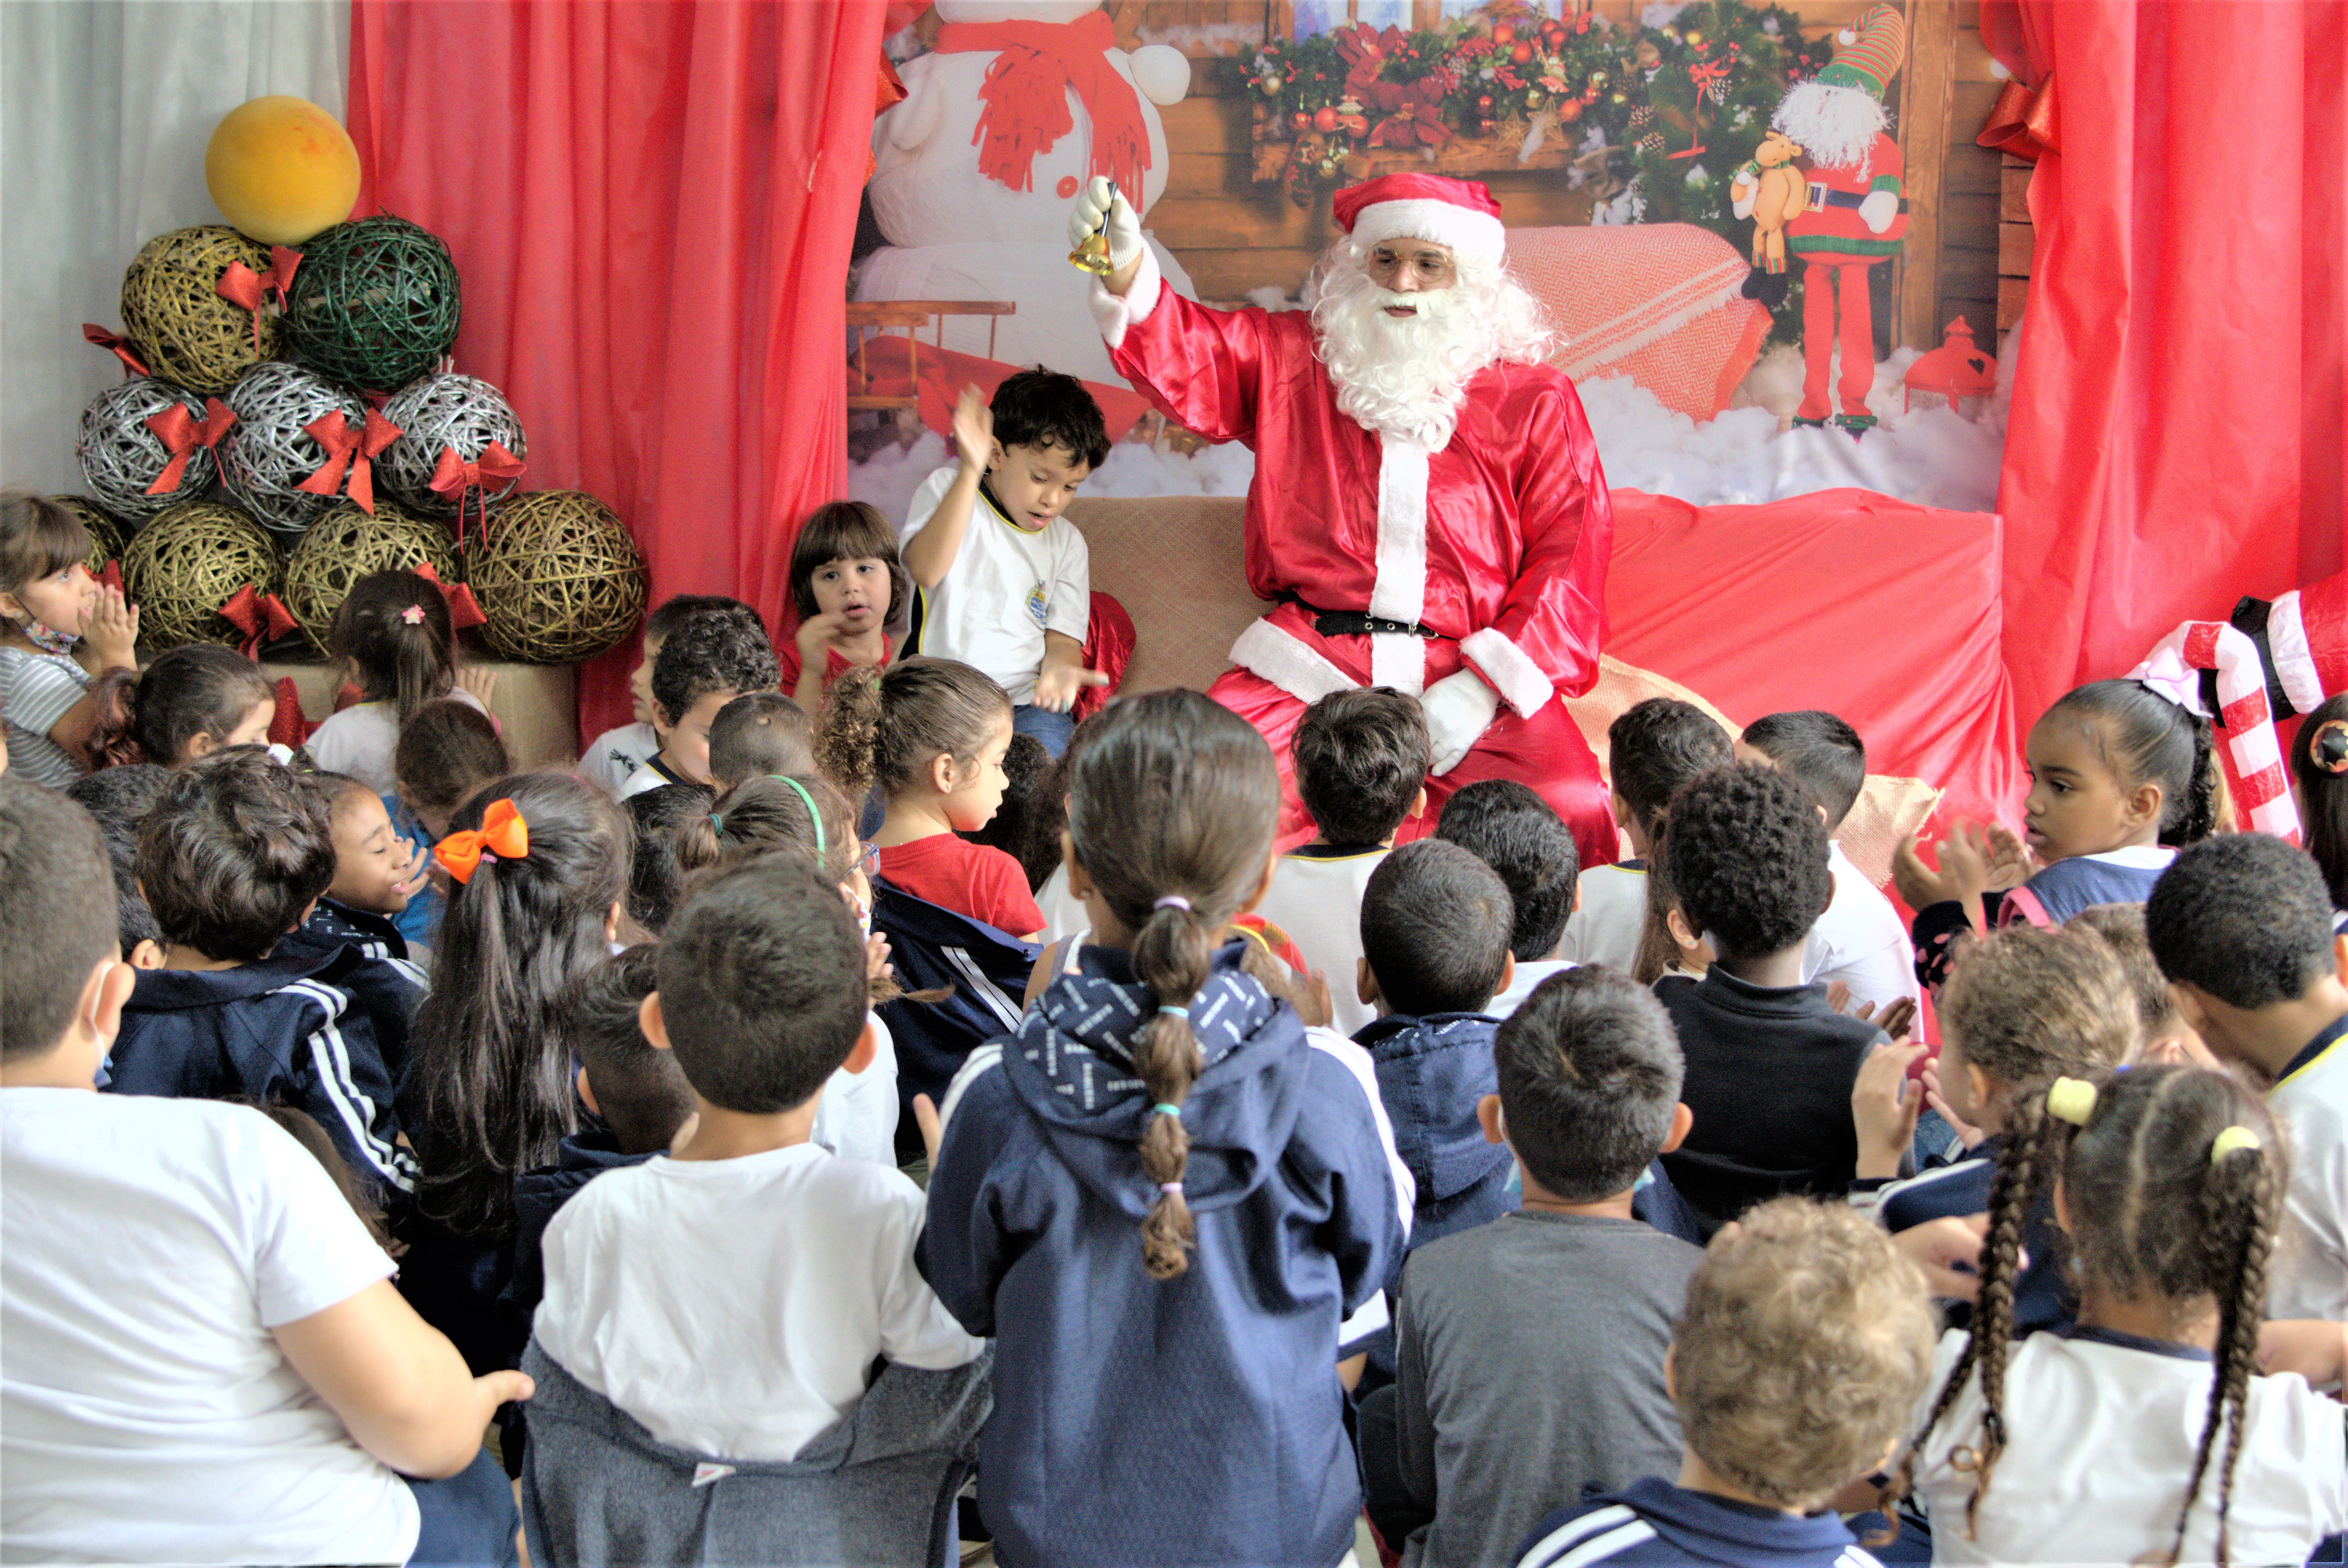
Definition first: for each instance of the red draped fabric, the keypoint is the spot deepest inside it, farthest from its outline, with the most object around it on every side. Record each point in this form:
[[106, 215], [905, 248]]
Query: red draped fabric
[[2178, 426], [651, 206]]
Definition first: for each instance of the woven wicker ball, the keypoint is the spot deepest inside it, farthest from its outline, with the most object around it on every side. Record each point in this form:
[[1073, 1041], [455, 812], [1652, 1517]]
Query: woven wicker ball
[[106, 535], [120, 457], [560, 579], [268, 452], [438, 412], [374, 304], [183, 566], [344, 546], [189, 334]]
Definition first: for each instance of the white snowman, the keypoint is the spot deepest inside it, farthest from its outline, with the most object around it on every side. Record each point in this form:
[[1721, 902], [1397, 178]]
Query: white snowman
[[973, 178]]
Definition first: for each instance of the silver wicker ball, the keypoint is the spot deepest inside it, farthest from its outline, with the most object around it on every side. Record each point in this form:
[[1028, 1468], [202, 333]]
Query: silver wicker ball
[[268, 452], [437, 412], [120, 457]]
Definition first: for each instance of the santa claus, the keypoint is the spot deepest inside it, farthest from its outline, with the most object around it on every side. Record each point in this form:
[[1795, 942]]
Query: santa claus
[[1428, 505]]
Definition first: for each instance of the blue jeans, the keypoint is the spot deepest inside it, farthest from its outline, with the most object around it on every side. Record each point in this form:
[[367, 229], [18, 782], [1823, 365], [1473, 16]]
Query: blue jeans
[[1052, 729], [470, 1519]]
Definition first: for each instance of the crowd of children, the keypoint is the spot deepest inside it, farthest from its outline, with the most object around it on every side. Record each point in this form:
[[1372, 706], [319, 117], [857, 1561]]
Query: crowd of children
[[679, 1119]]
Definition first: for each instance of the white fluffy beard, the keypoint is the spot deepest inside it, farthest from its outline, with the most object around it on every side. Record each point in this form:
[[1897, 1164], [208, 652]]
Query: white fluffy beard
[[1837, 127], [1406, 376]]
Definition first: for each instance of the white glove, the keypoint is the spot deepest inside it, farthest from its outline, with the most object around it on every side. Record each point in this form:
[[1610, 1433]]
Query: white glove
[[1878, 209], [1101, 200], [1458, 708]]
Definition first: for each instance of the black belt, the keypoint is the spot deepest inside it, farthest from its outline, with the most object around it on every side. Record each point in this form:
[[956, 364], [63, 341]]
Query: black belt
[[1821, 199], [1356, 623]]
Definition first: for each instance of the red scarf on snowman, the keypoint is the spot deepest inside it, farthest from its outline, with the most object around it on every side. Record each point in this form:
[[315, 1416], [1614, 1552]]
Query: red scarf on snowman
[[1026, 97]]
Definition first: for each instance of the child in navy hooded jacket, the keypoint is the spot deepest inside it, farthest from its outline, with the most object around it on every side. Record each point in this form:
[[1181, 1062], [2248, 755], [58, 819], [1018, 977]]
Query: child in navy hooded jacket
[[1163, 1194]]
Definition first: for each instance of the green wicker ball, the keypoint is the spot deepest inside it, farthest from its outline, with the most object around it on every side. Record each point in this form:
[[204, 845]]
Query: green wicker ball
[[186, 562], [170, 308], [344, 545], [374, 304], [560, 579], [107, 534]]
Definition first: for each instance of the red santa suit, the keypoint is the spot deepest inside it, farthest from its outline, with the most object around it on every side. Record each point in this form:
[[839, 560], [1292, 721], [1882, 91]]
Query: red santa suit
[[1497, 545]]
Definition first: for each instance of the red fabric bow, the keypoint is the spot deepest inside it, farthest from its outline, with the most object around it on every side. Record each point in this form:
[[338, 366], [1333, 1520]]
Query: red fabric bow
[[110, 576], [262, 617], [287, 727], [239, 285], [123, 347], [1026, 97], [351, 448], [181, 433], [464, 609], [2024, 122], [461, 481], [504, 835]]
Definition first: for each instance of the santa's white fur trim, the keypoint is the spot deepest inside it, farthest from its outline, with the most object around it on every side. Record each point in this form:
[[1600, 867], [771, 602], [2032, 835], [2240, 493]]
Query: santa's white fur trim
[[1478, 234], [1113, 313], [1513, 674], [1399, 592], [1399, 660], [1272, 651]]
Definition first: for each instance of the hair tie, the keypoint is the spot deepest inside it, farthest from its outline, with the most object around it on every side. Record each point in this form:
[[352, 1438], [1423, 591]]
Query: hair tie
[[2231, 1139], [814, 815], [716, 823], [1177, 1011], [1173, 901], [2328, 747], [2071, 1100], [1162, 1109], [504, 834], [412, 615], [1173, 1187]]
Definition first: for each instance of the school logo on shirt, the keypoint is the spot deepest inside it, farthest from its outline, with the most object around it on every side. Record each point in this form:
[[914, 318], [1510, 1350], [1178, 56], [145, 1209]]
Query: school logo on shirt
[[1037, 604]]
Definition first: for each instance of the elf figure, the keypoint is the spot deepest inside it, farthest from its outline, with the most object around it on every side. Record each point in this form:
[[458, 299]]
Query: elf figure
[[1855, 218]]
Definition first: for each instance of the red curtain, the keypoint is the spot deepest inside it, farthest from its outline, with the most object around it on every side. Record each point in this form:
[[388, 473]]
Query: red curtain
[[651, 206], [2178, 426]]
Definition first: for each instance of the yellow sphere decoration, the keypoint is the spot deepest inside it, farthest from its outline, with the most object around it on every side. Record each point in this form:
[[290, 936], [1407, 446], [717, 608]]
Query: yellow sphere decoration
[[282, 170]]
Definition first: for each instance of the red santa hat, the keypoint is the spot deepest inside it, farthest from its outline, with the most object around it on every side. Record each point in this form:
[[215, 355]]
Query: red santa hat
[[1459, 213]]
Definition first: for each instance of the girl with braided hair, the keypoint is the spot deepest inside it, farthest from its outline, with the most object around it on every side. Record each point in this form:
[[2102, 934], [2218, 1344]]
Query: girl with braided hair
[[1164, 1196], [2142, 1433]]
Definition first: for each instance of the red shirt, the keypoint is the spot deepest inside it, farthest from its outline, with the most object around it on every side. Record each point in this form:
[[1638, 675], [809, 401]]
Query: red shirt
[[973, 879], [786, 660]]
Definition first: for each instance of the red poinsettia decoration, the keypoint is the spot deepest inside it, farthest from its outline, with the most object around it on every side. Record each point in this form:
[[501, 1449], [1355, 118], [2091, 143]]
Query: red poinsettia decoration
[[1365, 51], [1412, 115]]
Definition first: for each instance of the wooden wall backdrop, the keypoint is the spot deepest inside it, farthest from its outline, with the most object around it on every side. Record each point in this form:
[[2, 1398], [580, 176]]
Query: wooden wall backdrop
[[1234, 235]]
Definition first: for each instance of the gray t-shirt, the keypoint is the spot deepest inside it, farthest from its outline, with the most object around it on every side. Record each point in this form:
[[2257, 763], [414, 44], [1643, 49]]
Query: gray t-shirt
[[1529, 1364], [36, 690]]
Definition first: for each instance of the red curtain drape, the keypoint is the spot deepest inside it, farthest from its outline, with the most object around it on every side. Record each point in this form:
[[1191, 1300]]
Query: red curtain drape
[[651, 206], [2178, 427]]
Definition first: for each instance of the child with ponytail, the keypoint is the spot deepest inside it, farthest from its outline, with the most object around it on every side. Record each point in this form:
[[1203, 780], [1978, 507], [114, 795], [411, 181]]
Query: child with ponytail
[[188, 703], [2120, 777], [857, 1117], [538, 866], [931, 735], [2142, 1434], [394, 641], [1164, 1194]]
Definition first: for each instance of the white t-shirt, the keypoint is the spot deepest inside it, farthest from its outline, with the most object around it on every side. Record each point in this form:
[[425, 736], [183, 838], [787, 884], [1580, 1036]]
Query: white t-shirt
[[616, 753], [147, 1248], [857, 1117], [359, 741], [2101, 1431], [1528, 975], [1316, 898], [1613, 917], [36, 690], [735, 1307], [1859, 940], [1007, 586], [1063, 915], [2309, 1277]]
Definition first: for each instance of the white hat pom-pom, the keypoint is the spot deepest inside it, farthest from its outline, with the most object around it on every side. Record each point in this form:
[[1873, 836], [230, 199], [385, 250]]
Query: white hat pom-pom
[[1846, 37]]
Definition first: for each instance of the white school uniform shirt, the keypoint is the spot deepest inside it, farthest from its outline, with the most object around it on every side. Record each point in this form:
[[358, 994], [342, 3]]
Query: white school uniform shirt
[[2101, 1430], [1316, 897], [1529, 977], [857, 1117], [1007, 586], [614, 756], [1613, 917], [736, 1307], [36, 690], [1860, 940], [146, 1413], [359, 741], [1063, 915], [2309, 1273]]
